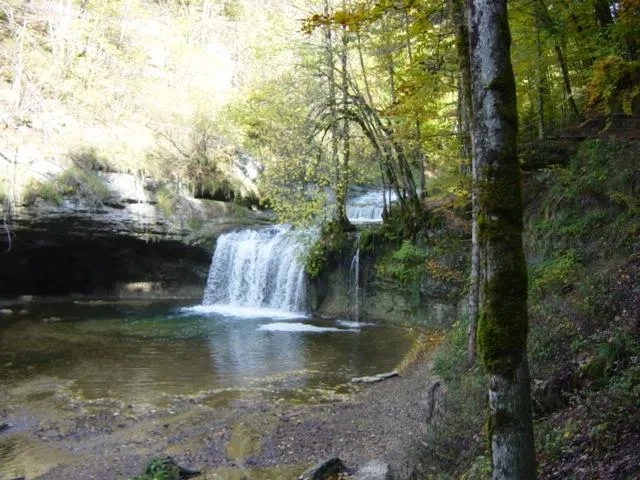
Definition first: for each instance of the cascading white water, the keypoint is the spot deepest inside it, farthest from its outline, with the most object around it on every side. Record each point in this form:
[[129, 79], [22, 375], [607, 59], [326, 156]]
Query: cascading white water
[[354, 282], [257, 268], [368, 207]]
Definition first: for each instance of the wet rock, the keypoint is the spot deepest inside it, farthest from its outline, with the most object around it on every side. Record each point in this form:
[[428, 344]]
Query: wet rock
[[374, 470], [323, 470], [375, 378], [4, 426]]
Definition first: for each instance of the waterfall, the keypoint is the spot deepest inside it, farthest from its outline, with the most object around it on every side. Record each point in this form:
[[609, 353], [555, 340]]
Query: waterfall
[[354, 283], [368, 207], [257, 268]]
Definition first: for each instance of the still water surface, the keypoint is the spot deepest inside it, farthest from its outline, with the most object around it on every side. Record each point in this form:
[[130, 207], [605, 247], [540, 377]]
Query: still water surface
[[146, 352]]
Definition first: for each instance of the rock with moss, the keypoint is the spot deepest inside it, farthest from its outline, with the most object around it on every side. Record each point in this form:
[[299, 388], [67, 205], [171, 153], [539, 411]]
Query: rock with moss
[[165, 468], [333, 240]]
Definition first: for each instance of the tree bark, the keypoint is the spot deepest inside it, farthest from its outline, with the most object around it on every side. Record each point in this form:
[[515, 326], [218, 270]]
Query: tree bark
[[502, 330]]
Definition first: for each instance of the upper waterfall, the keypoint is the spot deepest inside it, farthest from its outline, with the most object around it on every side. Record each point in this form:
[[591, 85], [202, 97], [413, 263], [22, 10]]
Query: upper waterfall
[[257, 268], [368, 207]]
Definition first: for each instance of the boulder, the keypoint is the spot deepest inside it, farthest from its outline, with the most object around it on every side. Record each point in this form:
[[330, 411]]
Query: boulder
[[323, 470], [374, 470]]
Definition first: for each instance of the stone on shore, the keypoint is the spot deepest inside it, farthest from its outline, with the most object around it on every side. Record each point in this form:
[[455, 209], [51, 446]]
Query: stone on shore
[[323, 470]]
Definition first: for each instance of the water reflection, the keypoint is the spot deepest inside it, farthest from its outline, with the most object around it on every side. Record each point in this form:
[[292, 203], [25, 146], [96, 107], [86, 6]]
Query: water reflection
[[146, 352]]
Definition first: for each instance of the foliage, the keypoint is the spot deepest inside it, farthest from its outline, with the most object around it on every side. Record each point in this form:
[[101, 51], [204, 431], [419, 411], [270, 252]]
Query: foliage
[[407, 264], [593, 203], [332, 242], [581, 241], [71, 182], [171, 61], [608, 361], [160, 469], [600, 423], [614, 87], [557, 273], [44, 190]]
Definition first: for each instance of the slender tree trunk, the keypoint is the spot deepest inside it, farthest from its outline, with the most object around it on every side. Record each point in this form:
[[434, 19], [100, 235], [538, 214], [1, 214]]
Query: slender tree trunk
[[335, 133], [502, 332], [343, 185], [540, 87], [419, 153], [461, 25], [365, 79], [602, 10], [19, 66], [566, 81], [543, 16]]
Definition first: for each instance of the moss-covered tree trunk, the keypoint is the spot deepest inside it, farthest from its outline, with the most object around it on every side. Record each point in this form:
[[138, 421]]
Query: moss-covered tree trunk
[[502, 332]]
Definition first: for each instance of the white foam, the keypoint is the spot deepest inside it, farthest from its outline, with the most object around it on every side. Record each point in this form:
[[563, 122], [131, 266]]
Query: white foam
[[300, 327], [351, 324], [242, 312], [258, 268]]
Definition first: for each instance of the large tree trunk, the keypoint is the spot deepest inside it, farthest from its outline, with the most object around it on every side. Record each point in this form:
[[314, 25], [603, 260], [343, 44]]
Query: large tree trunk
[[502, 332]]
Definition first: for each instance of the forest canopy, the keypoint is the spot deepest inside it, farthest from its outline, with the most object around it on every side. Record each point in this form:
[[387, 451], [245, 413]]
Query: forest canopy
[[322, 94]]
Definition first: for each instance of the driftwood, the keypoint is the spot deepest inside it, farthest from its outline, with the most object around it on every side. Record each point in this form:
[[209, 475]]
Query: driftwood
[[375, 378]]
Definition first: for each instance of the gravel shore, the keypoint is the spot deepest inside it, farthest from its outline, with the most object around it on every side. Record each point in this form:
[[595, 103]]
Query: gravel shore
[[254, 434]]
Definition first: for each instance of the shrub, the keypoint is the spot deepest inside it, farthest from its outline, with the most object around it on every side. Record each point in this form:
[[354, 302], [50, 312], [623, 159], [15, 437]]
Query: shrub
[[46, 191], [331, 242], [88, 159], [83, 183], [556, 274], [71, 182]]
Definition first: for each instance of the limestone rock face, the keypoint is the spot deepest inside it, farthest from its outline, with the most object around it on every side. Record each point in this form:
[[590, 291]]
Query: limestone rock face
[[125, 245], [435, 304]]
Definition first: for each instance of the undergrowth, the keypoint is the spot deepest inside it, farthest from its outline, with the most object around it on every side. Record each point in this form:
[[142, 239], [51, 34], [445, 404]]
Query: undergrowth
[[582, 237]]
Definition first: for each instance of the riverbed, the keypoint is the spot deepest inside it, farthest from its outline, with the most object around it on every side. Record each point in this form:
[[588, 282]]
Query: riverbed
[[94, 389]]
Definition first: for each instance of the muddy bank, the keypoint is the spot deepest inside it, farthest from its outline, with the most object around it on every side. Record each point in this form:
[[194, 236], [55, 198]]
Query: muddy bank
[[258, 433]]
